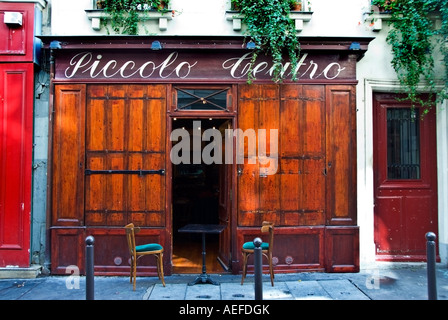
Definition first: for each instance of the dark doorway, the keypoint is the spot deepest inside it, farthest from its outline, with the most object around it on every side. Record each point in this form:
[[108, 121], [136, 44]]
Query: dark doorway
[[196, 191]]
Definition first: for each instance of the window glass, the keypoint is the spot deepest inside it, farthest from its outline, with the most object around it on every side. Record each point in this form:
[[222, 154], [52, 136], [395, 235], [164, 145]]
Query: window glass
[[202, 99]]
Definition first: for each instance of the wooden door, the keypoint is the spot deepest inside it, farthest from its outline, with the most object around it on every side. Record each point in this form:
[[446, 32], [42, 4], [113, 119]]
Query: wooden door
[[16, 136], [405, 179], [225, 202]]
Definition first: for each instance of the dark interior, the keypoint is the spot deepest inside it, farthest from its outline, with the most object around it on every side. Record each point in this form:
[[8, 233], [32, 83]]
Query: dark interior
[[195, 200]]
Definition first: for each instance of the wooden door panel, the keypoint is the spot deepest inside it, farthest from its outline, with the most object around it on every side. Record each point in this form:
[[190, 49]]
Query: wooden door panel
[[291, 179], [269, 180], [95, 126], [417, 206], [67, 249], [248, 194], [341, 155], [390, 241], [313, 121], [313, 190], [68, 155], [342, 249]]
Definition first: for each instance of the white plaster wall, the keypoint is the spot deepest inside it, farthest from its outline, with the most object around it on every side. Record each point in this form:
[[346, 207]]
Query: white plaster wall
[[330, 18], [207, 17], [442, 176]]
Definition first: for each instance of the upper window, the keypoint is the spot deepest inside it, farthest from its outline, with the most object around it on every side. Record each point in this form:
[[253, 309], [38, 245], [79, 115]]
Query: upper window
[[202, 99], [403, 143]]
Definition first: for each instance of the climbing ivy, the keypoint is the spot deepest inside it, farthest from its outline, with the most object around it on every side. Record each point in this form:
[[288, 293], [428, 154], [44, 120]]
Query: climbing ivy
[[273, 32], [414, 39]]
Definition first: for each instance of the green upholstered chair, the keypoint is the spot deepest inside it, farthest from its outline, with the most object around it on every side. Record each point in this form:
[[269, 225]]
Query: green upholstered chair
[[142, 250], [266, 250]]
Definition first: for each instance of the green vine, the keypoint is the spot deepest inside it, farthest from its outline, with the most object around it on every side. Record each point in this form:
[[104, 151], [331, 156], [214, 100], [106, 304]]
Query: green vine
[[273, 32], [415, 38], [125, 14]]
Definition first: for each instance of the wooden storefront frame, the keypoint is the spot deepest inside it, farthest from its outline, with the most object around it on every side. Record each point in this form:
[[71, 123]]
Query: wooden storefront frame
[[336, 225]]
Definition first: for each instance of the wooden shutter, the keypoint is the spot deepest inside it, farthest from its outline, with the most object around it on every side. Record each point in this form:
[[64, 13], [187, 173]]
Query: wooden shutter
[[126, 134], [258, 194], [68, 155], [295, 195], [302, 161]]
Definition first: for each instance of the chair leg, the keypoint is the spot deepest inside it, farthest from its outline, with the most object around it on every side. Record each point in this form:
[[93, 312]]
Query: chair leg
[[160, 268], [244, 267], [271, 269], [134, 273], [130, 271]]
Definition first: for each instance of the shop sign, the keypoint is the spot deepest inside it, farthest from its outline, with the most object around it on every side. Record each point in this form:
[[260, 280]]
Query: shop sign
[[179, 65]]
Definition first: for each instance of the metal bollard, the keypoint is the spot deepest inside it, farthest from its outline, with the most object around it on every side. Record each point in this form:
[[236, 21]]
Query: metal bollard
[[431, 265], [89, 268], [258, 269]]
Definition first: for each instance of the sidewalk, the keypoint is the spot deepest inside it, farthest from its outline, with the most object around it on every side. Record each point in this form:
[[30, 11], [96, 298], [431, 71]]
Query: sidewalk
[[394, 282]]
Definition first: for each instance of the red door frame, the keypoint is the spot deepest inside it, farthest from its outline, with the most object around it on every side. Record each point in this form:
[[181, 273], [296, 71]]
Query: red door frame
[[404, 209]]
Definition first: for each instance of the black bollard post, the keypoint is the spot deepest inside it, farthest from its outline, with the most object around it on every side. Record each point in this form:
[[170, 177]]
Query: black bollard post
[[89, 268], [258, 269], [431, 265]]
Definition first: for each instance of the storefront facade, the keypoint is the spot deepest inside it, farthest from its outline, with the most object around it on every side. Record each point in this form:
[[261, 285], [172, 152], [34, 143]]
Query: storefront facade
[[356, 180], [115, 105]]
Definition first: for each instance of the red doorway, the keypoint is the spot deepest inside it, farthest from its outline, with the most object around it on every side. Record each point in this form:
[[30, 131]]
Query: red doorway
[[16, 130], [405, 177]]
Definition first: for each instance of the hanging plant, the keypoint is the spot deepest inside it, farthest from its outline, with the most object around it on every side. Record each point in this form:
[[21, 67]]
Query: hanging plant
[[412, 40], [272, 31], [125, 15]]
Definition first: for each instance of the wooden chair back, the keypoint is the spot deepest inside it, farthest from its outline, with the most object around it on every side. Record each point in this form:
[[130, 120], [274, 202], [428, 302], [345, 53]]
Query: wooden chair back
[[131, 230], [268, 227]]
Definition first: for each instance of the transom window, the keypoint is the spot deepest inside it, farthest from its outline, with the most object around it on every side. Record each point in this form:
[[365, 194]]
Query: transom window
[[403, 143], [202, 99]]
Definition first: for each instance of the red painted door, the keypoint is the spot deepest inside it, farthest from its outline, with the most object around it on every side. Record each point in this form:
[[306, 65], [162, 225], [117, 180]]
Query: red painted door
[[405, 169], [16, 120]]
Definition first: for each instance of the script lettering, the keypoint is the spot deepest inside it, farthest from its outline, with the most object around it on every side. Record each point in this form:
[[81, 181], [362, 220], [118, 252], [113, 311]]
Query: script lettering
[[177, 65]]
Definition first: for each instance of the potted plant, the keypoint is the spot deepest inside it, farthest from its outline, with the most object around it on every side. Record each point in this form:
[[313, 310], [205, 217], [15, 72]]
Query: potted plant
[[235, 5], [100, 4], [162, 5], [295, 5], [125, 15], [385, 6]]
